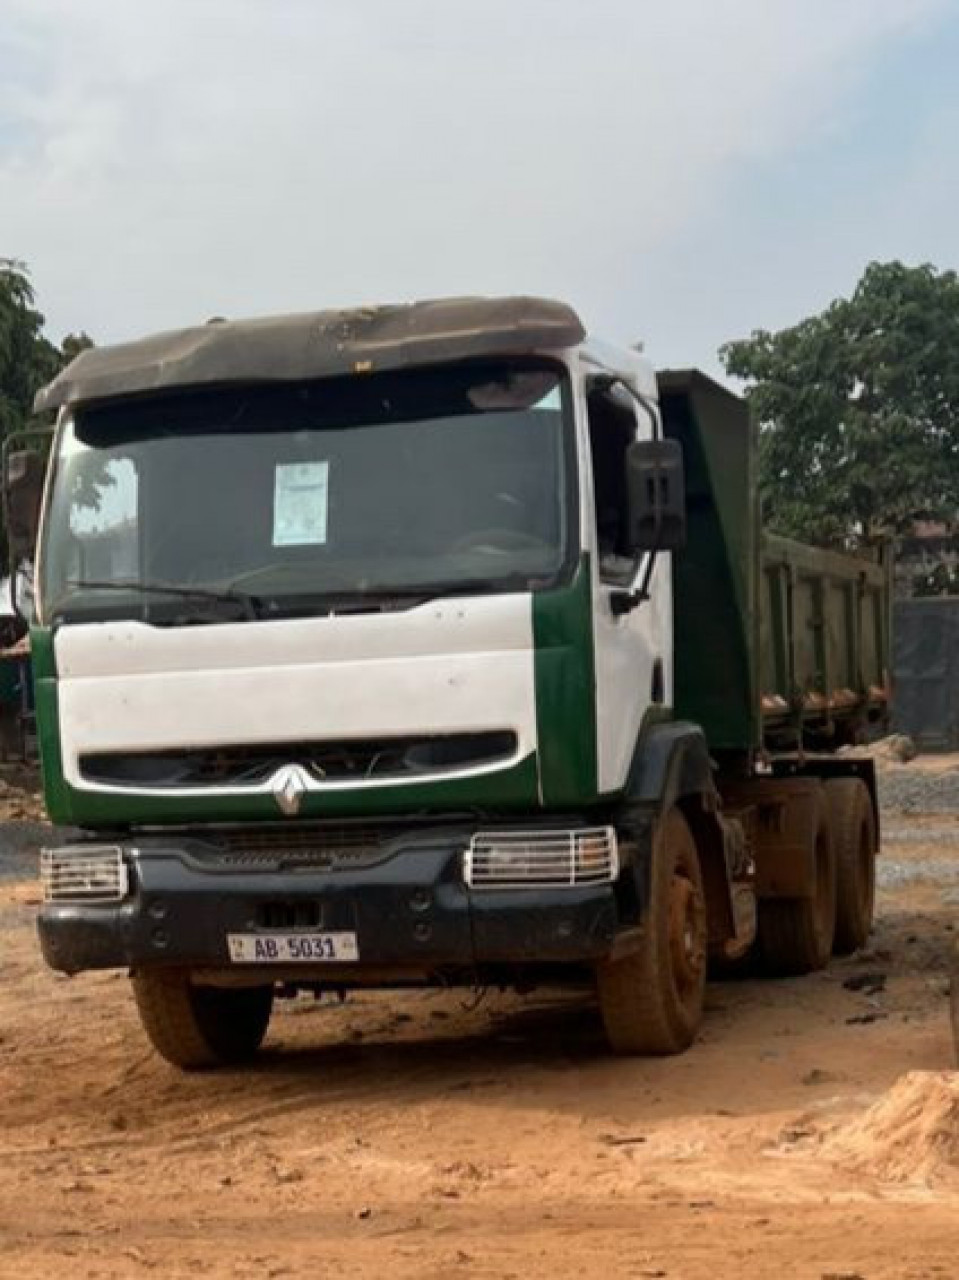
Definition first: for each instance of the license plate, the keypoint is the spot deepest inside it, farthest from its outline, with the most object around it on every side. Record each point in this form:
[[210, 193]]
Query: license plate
[[292, 948]]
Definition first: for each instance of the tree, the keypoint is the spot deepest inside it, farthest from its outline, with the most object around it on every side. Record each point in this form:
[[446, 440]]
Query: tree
[[858, 408], [72, 345], [27, 358]]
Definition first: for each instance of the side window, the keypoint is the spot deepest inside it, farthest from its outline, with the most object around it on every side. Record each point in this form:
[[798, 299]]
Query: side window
[[612, 428]]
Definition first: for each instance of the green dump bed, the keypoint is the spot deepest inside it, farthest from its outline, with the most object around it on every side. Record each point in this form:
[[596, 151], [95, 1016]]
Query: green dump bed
[[776, 644]]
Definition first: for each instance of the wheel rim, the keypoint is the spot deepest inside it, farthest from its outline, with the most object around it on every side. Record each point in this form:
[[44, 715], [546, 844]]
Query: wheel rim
[[687, 941]]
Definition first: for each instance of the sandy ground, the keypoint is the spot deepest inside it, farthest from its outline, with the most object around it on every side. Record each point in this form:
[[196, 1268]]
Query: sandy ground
[[812, 1132]]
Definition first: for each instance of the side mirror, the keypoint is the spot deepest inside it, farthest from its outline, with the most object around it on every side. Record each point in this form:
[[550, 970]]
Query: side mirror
[[23, 475], [656, 488]]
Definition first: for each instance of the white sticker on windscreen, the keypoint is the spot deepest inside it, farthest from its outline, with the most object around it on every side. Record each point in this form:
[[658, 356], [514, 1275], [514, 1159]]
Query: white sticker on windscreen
[[300, 503]]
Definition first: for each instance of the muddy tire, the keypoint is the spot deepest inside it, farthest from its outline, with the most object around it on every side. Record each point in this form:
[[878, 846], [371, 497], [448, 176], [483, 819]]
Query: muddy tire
[[854, 844], [796, 934], [196, 1028], [651, 1000]]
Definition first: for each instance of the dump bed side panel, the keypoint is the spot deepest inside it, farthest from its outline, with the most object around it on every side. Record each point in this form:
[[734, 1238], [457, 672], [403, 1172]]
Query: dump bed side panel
[[715, 579], [776, 644], [824, 669]]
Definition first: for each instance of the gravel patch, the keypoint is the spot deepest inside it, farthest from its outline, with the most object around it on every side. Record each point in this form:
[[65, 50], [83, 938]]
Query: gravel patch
[[918, 791], [20, 848], [891, 874], [919, 835]]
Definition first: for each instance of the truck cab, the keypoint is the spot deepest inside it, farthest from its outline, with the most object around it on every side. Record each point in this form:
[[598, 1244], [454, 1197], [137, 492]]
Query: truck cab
[[355, 657]]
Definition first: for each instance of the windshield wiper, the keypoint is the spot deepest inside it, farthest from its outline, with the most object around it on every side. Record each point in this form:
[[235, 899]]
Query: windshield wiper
[[252, 605], [381, 599], [448, 587]]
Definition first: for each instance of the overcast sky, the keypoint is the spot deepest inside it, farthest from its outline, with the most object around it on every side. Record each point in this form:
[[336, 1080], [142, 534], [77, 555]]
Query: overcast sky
[[683, 171]]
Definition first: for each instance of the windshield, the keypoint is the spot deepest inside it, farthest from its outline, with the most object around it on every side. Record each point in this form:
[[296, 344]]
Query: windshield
[[280, 500]]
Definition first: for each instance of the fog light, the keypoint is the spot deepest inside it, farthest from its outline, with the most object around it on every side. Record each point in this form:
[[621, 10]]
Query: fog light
[[514, 859], [93, 873]]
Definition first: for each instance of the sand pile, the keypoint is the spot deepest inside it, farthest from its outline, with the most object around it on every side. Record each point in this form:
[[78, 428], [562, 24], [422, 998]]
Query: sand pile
[[894, 749], [910, 1135]]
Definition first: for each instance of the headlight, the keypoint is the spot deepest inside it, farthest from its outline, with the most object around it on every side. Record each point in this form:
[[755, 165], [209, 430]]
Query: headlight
[[515, 859], [90, 873]]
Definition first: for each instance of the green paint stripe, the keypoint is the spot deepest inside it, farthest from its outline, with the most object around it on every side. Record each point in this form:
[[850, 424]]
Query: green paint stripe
[[42, 656], [43, 662], [566, 691], [56, 794]]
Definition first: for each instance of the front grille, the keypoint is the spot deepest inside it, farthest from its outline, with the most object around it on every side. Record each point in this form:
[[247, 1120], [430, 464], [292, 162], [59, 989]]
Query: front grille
[[83, 875], [523, 859], [324, 846], [336, 761]]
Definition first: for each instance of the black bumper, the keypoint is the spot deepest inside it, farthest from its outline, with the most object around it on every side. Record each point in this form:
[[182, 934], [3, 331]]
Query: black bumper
[[411, 912]]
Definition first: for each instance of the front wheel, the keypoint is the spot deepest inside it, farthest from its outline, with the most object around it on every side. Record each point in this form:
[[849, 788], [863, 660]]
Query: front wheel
[[197, 1027], [652, 999]]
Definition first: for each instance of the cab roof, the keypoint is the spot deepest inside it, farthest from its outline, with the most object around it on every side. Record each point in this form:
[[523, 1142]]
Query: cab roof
[[315, 344]]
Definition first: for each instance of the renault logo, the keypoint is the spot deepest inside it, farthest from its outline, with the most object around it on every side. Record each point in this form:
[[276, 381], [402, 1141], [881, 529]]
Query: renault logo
[[289, 785]]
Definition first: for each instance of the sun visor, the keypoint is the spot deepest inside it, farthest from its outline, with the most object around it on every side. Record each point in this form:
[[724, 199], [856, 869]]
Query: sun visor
[[315, 345]]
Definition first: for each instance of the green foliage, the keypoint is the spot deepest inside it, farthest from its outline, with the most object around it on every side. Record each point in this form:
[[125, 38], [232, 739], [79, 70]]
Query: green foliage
[[27, 358], [858, 408], [940, 580], [72, 345]]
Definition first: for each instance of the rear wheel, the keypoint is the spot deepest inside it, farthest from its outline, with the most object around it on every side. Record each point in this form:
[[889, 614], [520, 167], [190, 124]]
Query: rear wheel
[[652, 999], [796, 934], [854, 843], [196, 1027]]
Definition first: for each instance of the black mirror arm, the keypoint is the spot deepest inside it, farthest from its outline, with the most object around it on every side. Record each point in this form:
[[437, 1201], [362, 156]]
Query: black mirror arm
[[617, 380], [626, 600], [623, 602]]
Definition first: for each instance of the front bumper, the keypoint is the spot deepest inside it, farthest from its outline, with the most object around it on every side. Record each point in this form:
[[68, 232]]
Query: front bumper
[[412, 912]]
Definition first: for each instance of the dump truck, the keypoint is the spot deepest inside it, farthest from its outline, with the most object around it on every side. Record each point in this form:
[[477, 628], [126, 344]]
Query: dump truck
[[434, 645]]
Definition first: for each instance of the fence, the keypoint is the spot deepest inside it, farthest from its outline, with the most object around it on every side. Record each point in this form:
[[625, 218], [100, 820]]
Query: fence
[[926, 671]]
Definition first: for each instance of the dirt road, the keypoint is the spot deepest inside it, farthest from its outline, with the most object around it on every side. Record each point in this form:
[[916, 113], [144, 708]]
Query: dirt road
[[812, 1132]]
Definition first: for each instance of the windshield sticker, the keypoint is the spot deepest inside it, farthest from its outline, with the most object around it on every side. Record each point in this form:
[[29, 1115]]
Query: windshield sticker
[[299, 504]]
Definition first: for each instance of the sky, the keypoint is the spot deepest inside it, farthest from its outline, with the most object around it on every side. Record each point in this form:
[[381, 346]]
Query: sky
[[681, 171]]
